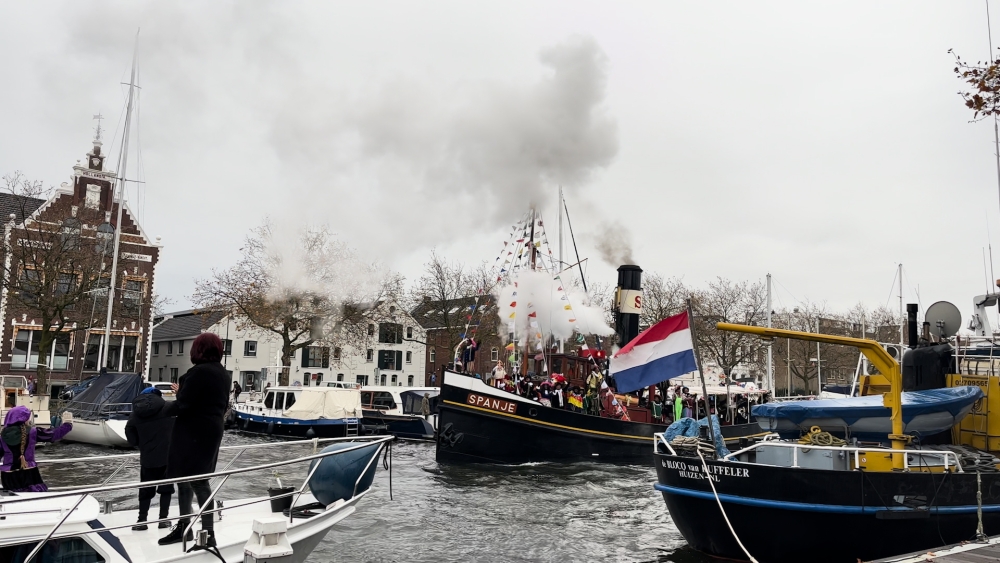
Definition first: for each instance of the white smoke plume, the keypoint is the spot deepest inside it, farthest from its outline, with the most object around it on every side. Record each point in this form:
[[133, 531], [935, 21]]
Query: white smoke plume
[[425, 150], [539, 294]]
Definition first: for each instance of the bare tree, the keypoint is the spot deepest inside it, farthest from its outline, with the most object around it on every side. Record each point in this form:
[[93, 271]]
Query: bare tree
[[662, 297], [316, 291], [729, 302], [54, 267]]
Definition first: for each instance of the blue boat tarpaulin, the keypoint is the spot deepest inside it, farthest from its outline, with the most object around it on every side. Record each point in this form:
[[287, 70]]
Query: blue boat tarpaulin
[[851, 409], [689, 427]]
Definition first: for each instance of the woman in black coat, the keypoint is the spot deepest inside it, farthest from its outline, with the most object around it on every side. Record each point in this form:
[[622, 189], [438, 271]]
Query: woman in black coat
[[202, 400]]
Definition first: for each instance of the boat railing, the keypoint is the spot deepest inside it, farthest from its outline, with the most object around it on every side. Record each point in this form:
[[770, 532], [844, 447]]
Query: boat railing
[[86, 410], [856, 451], [218, 480]]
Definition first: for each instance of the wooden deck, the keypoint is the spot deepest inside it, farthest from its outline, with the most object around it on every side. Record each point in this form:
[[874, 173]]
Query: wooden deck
[[971, 552]]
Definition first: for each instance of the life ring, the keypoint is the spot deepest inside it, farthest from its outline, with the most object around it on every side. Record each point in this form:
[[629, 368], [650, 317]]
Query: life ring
[[270, 428]]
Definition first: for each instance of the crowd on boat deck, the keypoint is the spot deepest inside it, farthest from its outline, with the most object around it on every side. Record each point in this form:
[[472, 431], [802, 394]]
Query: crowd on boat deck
[[598, 396], [176, 439]]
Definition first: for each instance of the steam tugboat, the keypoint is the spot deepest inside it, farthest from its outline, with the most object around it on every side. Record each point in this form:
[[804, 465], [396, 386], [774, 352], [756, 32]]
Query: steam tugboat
[[836, 498]]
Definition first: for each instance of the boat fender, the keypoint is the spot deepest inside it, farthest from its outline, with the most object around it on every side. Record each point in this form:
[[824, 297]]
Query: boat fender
[[310, 433], [270, 428]]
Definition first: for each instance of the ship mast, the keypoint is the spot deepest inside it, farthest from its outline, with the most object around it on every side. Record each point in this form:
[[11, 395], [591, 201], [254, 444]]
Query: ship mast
[[122, 164], [534, 257]]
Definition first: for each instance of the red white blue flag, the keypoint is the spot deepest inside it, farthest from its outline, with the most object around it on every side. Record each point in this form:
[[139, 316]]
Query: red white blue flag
[[661, 352]]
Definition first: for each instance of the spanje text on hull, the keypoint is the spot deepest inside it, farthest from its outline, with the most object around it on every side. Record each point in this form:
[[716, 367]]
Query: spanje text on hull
[[845, 500]]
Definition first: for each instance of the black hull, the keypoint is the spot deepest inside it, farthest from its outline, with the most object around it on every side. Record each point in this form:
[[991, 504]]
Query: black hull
[[410, 427], [529, 432], [786, 514]]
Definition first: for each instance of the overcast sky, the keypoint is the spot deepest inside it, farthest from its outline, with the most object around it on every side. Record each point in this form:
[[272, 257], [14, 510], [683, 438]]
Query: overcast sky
[[821, 142]]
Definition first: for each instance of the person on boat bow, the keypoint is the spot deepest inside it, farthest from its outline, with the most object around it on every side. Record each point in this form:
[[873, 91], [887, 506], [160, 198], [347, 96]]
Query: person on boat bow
[[149, 428], [17, 441], [200, 407]]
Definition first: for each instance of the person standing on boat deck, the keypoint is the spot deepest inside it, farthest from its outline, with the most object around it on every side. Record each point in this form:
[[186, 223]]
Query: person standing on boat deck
[[425, 406], [200, 407], [678, 404], [18, 439], [149, 428], [236, 391]]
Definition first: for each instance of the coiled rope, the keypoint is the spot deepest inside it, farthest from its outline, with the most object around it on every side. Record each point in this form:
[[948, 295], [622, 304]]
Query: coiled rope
[[817, 437]]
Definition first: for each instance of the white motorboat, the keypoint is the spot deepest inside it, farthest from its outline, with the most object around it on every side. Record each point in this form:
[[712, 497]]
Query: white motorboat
[[304, 412], [398, 411], [101, 411], [74, 521]]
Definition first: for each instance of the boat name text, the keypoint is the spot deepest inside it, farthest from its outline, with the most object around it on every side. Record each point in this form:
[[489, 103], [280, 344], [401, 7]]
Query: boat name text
[[491, 403], [693, 471]]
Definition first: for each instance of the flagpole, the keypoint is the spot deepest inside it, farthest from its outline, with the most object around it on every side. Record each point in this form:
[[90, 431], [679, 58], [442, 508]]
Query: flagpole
[[704, 387]]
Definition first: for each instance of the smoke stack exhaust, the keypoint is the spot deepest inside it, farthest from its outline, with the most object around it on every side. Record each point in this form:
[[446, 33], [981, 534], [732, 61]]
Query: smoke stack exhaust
[[911, 324], [628, 303]]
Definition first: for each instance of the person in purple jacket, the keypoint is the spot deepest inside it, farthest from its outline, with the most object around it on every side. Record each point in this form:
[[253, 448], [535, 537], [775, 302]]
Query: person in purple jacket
[[18, 422]]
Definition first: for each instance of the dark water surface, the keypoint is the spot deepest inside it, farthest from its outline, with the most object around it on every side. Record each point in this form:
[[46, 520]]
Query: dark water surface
[[447, 513]]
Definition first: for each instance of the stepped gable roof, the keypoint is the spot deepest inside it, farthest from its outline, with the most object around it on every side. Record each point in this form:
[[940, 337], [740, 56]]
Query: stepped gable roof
[[185, 324], [18, 205], [430, 314]]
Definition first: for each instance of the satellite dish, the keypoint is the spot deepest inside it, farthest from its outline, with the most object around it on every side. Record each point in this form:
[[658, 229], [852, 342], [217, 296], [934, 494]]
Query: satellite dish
[[945, 319]]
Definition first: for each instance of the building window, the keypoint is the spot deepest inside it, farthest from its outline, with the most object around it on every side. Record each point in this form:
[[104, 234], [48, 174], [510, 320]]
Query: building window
[[316, 357], [370, 355], [432, 355], [170, 347], [156, 349], [173, 375], [121, 353], [390, 359], [494, 355], [409, 381], [371, 330], [336, 354], [227, 347], [361, 379], [340, 377], [159, 374], [409, 357], [390, 333], [65, 283], [409, 333], [250, 349], [180, 347], [25, 354], [393, 379], [132, 295], [382, 380], [30, 285]]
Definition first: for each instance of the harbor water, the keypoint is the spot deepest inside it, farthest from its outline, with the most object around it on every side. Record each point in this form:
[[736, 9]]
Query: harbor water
[[445, 513]]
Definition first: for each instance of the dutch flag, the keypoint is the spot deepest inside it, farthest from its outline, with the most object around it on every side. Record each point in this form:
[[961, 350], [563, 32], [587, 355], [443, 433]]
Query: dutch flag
[[661, 352]]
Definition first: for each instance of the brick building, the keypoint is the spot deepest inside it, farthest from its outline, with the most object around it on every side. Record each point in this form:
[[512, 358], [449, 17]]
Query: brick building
[[444, 323], [83, 211]]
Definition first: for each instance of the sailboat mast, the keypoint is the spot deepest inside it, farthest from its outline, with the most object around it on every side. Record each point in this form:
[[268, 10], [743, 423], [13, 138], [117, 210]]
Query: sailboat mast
[[769, 378], [122, 167], [902, 323]]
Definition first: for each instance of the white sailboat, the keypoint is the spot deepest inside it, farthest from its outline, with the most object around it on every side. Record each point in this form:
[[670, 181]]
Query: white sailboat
[[101, 421]]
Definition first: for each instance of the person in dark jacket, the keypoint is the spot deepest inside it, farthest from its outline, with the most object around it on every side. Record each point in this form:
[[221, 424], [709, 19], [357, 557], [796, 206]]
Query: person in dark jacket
[[148, 428], [200, 407]]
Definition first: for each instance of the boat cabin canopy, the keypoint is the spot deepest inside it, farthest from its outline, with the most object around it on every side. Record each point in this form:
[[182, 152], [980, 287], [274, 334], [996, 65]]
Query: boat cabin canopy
[[331, 403]]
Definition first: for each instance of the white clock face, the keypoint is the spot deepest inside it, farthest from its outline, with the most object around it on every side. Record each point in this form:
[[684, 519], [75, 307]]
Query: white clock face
[[95, 161]]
